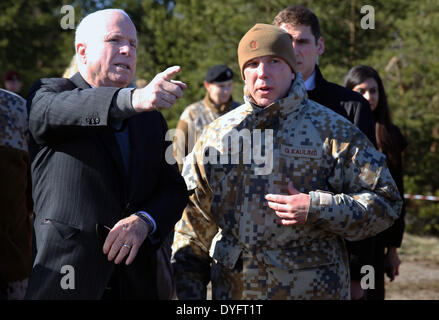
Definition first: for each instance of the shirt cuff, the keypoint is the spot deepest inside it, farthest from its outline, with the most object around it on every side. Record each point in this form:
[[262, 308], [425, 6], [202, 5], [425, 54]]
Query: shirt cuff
[[154, 228], [121, 108]]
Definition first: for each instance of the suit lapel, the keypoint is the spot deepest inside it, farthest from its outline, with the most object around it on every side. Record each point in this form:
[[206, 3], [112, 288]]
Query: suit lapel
[[107, 138]]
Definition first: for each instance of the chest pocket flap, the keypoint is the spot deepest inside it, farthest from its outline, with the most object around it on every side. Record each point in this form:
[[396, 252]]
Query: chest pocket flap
[[225, 253]]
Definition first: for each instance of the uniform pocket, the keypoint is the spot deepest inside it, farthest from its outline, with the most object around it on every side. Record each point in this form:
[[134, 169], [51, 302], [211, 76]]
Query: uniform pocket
[[308, 255]]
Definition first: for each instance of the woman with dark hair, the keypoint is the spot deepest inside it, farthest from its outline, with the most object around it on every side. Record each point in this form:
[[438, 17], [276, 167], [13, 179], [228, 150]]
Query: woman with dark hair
[[390, 141]]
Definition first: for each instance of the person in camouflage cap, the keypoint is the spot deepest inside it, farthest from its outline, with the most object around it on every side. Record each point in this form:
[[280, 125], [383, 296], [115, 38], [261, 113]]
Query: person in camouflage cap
[[217, 101], [272, 226]]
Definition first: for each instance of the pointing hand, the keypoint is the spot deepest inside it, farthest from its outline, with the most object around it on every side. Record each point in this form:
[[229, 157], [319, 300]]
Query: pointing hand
[[161, 92]]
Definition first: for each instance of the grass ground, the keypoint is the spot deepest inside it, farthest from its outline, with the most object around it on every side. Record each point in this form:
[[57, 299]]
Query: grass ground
[[419, 271]]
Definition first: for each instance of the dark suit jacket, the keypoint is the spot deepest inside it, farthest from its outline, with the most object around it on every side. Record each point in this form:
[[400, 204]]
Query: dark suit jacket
[[354, 107], [345, 102], [79, 183]]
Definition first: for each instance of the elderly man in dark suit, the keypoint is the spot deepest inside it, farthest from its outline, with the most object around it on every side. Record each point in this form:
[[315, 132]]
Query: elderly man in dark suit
[[105, 194]]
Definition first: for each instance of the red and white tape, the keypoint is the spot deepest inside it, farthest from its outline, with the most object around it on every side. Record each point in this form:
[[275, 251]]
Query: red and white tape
[[420, 197]]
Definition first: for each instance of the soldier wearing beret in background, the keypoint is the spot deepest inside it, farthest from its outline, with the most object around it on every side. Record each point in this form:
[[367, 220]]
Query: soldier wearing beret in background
[[218, 101], [279, 233]]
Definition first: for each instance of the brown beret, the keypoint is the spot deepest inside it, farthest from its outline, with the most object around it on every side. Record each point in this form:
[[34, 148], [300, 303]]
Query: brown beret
[[266, 40]]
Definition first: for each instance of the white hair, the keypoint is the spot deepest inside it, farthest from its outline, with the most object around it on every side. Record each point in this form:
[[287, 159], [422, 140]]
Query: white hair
[[90, 27], [94, 23]]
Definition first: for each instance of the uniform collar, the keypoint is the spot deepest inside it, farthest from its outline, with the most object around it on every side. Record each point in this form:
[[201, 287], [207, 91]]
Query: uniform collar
[[220, 109]]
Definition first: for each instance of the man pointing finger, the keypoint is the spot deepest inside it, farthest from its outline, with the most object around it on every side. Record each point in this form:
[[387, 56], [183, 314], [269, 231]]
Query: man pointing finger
[[161, 92], [105, 196]]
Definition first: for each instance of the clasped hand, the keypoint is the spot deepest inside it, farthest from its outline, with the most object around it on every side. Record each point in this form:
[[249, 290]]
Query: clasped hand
[[125, 239], [291, 209]]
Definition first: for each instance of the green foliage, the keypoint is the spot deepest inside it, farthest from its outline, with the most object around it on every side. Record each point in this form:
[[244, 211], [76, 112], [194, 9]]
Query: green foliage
[[32, 40], [197, 34], [423, 218]]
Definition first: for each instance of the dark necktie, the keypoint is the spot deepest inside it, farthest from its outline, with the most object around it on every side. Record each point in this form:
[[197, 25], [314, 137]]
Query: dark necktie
[[123, 139]]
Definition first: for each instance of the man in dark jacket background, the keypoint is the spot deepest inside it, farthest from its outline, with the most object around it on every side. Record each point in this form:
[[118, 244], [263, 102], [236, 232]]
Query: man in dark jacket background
[[303, 25]]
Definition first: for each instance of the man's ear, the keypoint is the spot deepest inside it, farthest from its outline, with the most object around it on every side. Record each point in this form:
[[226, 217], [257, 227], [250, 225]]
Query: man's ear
[[81, 52], [320, 46], [206, 85]]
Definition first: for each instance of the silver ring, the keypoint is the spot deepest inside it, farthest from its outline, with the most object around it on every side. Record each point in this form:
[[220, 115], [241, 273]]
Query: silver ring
[[127, 245]]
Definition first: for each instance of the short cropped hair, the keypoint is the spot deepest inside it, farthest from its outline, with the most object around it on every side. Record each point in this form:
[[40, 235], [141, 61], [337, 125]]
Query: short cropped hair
[[298, 15]]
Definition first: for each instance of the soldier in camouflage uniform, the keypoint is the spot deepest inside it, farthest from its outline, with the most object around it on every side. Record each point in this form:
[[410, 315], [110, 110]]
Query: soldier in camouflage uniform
[[15, 195], [217, 101], [247, 229]]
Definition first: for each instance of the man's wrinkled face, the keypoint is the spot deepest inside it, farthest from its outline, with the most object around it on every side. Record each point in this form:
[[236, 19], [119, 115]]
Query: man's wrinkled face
[[110, 56], [219, 92], [268, 79], [305, 46]]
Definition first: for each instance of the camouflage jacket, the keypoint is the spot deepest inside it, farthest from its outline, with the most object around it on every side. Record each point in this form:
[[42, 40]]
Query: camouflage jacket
[[13, 121], [228, 235], [192, 122]]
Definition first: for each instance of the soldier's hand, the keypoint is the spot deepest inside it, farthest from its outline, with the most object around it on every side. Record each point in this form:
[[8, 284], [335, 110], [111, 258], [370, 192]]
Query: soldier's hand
[[291, 209], [161, 92], [125, 239]]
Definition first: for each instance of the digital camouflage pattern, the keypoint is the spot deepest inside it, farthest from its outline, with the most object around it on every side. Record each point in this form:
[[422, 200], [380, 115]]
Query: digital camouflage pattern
[[228, 233], [13, 121], [192, 122]]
